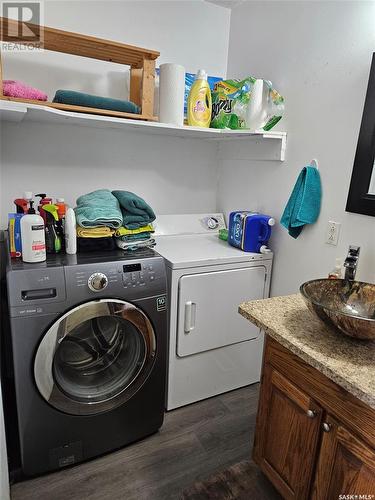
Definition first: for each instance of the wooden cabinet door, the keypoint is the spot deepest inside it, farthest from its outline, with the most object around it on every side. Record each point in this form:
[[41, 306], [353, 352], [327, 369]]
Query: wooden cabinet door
[[346, 465], [287, 434]]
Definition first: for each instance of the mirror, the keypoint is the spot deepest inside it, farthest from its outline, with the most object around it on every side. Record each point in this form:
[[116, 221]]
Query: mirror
[[361, 197]]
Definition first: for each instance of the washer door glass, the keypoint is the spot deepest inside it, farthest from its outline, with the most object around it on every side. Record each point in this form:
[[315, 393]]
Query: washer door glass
[[95, 357]]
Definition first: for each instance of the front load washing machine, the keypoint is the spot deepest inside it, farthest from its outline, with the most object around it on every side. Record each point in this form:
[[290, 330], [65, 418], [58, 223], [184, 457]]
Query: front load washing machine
[[88, 336]]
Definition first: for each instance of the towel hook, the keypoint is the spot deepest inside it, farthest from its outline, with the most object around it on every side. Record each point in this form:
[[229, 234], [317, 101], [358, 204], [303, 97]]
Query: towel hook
[[314, 163]]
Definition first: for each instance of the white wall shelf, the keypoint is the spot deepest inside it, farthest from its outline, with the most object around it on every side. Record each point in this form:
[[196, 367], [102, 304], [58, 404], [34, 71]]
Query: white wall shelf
[[17, 112]]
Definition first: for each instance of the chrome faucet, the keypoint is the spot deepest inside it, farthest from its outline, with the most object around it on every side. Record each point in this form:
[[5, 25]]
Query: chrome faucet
[[351, 262]]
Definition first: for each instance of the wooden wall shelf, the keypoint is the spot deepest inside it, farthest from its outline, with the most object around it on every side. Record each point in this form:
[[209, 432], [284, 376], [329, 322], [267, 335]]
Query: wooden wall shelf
[[141, 62]]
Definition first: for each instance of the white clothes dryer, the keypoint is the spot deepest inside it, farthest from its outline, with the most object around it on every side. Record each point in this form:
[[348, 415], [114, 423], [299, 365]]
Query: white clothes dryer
[[212, 349]]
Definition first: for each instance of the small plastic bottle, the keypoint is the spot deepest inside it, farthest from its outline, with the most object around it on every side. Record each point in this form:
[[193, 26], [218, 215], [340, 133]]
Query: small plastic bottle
[[70, 232], [33, 237], [336, 272], [199, 102], [61, 207]]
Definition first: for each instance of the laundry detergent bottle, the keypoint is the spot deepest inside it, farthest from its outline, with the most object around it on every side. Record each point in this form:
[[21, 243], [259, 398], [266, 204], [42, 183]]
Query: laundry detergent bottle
[[199, 102], [32, 237], [250, 231]]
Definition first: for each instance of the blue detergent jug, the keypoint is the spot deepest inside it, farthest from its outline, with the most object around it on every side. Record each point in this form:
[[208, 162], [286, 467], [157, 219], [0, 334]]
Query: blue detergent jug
[[250, 231]]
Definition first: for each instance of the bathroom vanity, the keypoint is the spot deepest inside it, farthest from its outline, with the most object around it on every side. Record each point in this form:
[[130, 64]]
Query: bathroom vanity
[[315, 431]]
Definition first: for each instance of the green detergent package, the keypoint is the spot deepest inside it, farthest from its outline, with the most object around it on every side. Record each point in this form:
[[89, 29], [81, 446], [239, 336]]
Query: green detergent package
[[232, 102]]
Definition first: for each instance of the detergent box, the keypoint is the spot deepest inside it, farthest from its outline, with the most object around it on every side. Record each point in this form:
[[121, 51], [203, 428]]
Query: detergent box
[[14, 231]]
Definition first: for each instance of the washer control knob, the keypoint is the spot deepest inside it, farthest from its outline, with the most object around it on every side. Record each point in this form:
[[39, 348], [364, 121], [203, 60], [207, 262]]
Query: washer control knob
[[212, 223], [97, 282]]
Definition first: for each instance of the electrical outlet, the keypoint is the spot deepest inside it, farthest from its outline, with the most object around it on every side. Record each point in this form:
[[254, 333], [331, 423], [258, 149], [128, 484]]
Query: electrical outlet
[[333, 232]]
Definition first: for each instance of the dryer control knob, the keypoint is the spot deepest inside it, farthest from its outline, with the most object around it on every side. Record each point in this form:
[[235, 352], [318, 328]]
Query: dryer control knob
[[97, 282], [212, 223]]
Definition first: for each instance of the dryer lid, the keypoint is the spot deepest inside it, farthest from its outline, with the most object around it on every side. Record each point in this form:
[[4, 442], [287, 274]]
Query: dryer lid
[[187, 251]]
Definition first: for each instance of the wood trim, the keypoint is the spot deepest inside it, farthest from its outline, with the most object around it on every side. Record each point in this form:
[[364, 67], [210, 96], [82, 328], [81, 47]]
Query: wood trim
[[141, 62], [83, 45], [135, 85], [148, 86], [301, 399], [349, 410], [362, 451]]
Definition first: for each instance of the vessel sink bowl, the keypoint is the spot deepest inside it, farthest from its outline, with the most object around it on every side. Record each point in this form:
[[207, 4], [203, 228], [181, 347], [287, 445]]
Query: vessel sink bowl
[[347, 305]]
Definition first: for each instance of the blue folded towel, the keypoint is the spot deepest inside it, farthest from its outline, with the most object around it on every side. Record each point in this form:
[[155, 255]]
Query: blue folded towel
[[135, 211], [94, 101], [99, 208], [303, 206]]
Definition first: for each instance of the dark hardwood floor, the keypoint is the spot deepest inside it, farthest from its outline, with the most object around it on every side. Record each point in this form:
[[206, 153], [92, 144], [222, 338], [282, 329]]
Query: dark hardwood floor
[[195, 442]]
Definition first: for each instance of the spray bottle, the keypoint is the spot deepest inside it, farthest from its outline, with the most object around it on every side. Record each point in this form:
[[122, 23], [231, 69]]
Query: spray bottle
[[53, 239], [43, 201], [22, 205]]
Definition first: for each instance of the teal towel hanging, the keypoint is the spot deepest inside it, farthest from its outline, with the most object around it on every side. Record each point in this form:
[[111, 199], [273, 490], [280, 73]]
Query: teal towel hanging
[[303, 206]]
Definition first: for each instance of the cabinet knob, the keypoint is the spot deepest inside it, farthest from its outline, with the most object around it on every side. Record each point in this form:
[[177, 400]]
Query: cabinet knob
[[326, 427], [311, 413]]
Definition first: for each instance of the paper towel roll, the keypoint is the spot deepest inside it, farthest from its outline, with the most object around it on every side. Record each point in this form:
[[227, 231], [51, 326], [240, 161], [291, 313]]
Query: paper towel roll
[[171, 94], [256, 112]]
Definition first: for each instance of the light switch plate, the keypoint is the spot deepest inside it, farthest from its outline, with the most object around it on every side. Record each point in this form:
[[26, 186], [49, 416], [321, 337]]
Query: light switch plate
[[333, 232]]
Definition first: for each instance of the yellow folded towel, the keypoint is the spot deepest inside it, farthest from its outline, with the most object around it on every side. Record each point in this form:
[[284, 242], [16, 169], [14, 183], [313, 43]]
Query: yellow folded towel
[[123, 231], [94, 232]]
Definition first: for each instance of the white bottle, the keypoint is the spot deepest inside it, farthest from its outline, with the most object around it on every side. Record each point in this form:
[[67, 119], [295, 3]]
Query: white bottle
[[33, 238], [70, 232]]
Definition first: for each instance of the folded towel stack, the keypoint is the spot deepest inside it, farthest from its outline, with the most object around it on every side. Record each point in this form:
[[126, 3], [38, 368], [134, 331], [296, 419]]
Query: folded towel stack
[[99, 208], [95, 232], [106, 220], [137, 228], [98, 215]]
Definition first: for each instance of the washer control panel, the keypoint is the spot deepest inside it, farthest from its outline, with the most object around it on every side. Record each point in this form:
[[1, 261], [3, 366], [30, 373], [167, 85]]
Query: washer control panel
[[115, 277], [97, 282], [137, 275]]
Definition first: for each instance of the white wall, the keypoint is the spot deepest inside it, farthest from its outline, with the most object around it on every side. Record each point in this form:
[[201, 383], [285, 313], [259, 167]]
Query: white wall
[[318, 56], [174, 175], [189, 32]]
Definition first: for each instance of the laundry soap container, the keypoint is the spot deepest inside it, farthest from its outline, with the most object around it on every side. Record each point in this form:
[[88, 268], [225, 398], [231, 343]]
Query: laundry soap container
[[199, 102], [32, 238], [250, 231]]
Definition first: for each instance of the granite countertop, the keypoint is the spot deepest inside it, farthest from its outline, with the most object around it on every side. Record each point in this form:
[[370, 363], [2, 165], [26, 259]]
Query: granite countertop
[[348, 362]]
